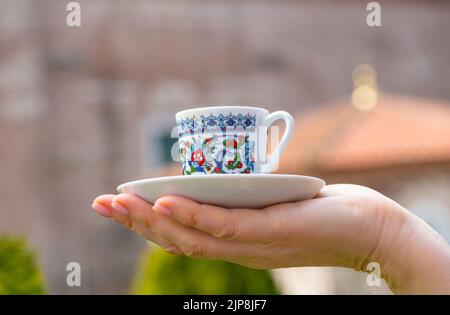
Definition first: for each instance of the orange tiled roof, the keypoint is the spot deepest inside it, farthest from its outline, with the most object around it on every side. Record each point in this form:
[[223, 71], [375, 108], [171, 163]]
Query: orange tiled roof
[[398, 130]]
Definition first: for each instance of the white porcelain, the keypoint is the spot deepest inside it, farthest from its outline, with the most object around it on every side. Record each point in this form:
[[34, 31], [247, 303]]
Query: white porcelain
[[207, 134], [229, 190]]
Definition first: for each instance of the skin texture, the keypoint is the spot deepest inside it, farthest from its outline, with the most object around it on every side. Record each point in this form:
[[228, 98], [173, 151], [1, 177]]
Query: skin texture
[[345, 225]]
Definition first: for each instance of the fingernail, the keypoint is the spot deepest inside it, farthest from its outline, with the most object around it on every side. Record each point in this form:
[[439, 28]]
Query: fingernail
[[158, 207], [120, 208], [101, 209]]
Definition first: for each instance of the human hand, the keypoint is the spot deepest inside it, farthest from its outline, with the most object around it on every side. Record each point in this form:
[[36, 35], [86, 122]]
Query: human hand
[[345, 225]]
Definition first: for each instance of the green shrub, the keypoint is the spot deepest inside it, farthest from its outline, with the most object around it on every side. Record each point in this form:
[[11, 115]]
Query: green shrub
[[163, 273], [19, 273]]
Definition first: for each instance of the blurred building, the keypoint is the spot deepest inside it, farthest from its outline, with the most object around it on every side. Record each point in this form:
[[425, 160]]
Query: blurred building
[[83, 109]]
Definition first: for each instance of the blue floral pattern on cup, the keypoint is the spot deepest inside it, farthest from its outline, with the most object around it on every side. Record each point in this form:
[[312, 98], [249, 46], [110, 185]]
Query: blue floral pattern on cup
[[223, 143]]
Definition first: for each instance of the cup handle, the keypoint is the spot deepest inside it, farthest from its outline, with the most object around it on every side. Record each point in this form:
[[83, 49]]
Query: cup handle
[[269, 165]]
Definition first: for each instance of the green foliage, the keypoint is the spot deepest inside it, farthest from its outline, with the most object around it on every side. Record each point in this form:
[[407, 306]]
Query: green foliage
[[163, 273], [19, 273]]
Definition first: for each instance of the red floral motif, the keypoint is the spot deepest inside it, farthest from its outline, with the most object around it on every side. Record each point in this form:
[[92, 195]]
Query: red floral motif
[[198, 156], [231, 143], [208, 157]]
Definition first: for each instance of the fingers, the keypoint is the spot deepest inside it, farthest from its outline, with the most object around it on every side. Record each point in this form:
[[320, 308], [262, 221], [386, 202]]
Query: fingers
[[142, 230], [105, 205], [102, 205], [225, 224], [185, 240], [108, 206]]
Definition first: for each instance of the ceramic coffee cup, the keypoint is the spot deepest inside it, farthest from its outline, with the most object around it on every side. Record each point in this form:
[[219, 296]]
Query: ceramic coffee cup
[[229, 139]]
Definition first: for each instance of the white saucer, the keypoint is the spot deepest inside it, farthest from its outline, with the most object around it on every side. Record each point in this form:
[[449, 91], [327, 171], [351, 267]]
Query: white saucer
[[229, 190]]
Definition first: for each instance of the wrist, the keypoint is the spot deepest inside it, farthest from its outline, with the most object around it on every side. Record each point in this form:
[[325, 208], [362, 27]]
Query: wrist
[[413, 257]]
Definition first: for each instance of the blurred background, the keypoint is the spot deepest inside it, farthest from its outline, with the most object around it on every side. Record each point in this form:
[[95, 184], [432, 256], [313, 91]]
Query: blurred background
[[83, 109]]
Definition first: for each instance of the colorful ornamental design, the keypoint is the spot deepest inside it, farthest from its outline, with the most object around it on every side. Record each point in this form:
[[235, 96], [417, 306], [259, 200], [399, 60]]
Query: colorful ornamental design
[[214, 123], [217, 144]]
